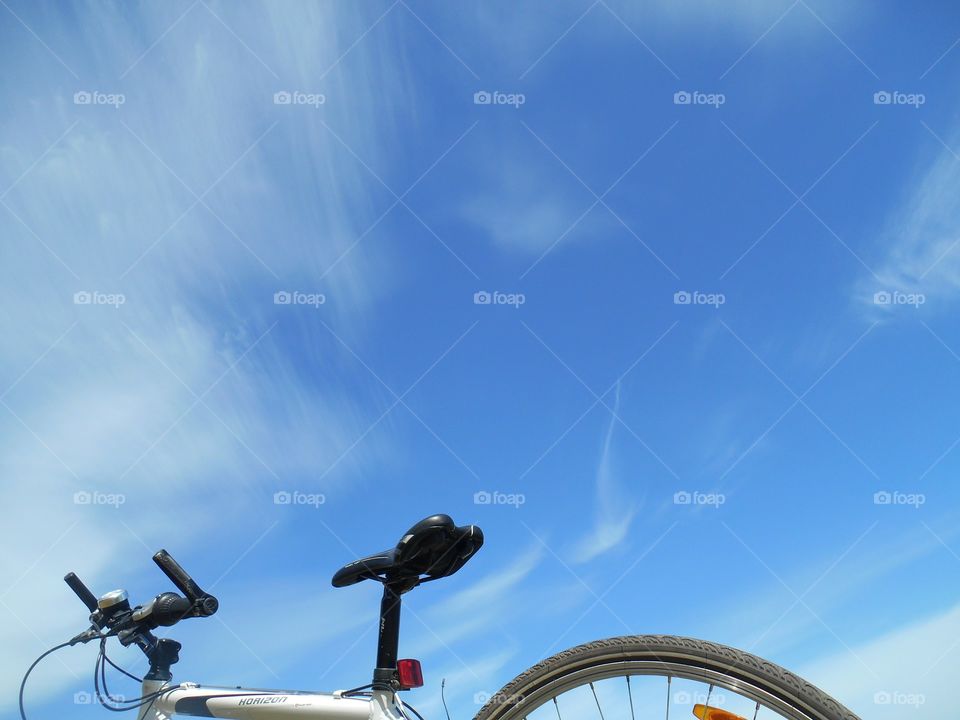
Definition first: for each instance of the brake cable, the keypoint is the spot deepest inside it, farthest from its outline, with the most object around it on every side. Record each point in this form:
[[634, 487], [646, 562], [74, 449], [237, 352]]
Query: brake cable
[[23, 683], [443, 697], [117, 667], [99, 677], [354, 692], [408, 706]]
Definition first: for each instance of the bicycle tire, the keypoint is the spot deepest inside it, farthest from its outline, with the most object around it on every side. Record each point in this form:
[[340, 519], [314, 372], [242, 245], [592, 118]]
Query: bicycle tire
[[531, 688]]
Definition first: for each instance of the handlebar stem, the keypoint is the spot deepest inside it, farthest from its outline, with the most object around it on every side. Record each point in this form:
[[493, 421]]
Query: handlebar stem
[[165, 653]]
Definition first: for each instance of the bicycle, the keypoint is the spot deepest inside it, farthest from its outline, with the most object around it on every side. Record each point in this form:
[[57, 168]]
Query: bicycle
[[575, 682]]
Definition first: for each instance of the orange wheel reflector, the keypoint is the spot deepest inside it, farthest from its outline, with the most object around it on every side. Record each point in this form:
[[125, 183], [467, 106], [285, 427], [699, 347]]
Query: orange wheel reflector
[[709, 713]]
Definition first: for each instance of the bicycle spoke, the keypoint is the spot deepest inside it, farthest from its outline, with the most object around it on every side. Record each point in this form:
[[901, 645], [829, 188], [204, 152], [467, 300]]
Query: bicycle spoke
[[596, 700], [669, 679], [557, 706], [630, 693], [756, 711]]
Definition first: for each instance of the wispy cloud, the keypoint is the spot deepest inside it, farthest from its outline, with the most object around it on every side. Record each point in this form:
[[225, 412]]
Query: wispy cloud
[[922, 239], [183, 201], [915, 666], [476, 609], [466, 689], [770, 621], [524, 200], [614, 511]]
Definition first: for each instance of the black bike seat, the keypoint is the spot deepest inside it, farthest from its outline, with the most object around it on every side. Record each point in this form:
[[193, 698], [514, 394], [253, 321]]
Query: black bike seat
[[435, 547]]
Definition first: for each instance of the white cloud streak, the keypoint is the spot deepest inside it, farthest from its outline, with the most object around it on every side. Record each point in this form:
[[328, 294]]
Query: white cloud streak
[[922, 238], [183, 400], [915, 665], [613, 514]]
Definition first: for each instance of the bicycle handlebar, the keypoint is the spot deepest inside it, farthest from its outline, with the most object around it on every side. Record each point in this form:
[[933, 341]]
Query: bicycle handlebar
[[82, 591], [133, 625], [178, 576], [165, 610], [204, 603]]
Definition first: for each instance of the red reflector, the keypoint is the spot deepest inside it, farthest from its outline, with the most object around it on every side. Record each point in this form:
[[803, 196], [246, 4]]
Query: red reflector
[[411, 676]]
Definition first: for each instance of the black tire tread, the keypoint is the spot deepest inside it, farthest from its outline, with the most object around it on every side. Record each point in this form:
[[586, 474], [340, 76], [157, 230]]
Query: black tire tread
[[780, 681]]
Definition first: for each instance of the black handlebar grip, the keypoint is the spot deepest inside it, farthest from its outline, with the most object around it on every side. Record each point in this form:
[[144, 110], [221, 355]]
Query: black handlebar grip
[[170, 608], [82, 591], [178, 576]]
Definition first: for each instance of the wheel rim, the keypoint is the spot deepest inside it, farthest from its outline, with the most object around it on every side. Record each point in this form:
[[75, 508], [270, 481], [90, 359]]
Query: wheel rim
[[740, 684]]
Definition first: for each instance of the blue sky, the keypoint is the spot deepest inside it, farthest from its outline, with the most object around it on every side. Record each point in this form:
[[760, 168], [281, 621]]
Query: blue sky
[[157, 195]]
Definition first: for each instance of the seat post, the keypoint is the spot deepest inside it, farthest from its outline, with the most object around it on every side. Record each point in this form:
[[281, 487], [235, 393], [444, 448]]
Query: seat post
[[388, 643]]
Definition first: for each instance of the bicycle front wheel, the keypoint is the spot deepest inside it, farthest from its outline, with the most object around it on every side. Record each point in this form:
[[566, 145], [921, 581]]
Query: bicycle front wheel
[[650, 676]]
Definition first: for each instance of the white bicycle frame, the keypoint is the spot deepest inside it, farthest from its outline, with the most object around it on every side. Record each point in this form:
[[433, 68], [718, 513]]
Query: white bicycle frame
[[193, 700]]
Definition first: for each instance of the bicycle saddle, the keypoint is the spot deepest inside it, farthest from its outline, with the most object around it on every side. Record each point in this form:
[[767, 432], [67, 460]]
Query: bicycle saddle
[[431, 549]]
